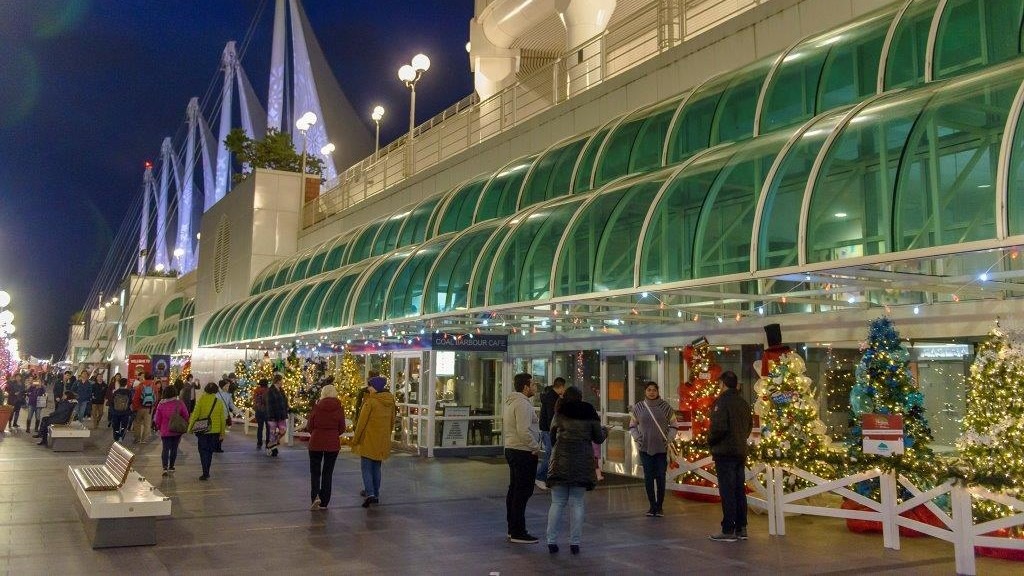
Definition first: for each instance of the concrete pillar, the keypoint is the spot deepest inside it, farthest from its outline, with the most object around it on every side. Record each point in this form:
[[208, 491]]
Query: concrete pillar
[[584, 19], [494, 67]]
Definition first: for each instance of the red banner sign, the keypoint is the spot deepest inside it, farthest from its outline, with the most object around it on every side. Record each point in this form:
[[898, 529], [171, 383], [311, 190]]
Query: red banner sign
[[883, 434]]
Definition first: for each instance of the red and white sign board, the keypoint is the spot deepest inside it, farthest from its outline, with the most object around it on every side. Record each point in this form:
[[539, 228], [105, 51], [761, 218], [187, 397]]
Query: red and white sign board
[[136, 361], [883, 434], [684, 425], [755, 430]]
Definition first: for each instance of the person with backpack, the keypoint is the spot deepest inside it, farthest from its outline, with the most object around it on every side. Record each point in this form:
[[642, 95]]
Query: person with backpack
[[259, 407], [120, 410], [142, 404], [171, 418]]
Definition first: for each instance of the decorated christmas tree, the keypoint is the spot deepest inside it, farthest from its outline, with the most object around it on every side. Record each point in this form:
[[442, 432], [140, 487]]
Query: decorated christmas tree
[[696, 396], [348, 379], [249, 374], [885, 385], [293, 383], [792, 434], [992, 446]]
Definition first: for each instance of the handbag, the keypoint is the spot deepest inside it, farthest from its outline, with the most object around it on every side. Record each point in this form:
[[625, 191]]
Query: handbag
[[178, 425], [203, 425], [673, 452], [41, 401]]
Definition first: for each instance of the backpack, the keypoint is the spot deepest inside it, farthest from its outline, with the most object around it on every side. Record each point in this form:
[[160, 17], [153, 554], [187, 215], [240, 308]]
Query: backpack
[[260, 402], [122, 401], [147, 396]]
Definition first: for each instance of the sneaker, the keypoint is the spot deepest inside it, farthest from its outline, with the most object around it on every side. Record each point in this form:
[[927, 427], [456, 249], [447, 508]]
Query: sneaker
[[553, 548], [316, 504], [524, 539], [659, 513], [362, 493], [723, 537], [651, 513], [204, 478], [574, 548], [165, 472], [541, 484], [741, 533], [170, 470], [273, 452]]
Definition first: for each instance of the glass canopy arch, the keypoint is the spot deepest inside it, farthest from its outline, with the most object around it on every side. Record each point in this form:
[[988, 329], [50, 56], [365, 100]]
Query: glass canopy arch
[[551, 175]]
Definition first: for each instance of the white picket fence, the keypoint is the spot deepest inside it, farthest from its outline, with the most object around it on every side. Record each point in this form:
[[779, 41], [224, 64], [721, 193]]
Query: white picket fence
[[769, 486]]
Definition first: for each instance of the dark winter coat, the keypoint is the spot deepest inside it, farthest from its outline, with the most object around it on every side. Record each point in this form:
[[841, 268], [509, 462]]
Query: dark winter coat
[[62, 412], [547, 408], [326, 423], [574, 427], [277, 404], [730, 426]]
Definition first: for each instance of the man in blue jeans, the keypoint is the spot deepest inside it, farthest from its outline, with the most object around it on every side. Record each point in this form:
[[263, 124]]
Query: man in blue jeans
[[730, 428], [548, 397]]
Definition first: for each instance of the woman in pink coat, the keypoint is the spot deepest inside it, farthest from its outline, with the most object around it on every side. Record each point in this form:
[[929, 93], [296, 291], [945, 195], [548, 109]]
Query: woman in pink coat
[[170, 405]]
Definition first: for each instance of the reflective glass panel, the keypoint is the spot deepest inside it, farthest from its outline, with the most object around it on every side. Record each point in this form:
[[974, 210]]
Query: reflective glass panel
[[363, 245], [288, 319], [406, 294], [973, 34], [448, 286], [552, 173], [501, 195], [458, 213], [585, 167], [905, 63], [369, 302], [414, 231]]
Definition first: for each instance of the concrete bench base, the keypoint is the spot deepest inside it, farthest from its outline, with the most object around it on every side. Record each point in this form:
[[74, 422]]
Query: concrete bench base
[[67, 438], [123, 517], [117, 532]]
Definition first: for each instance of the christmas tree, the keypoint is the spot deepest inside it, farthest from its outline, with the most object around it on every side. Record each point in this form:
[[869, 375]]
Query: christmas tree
[[348, 379], [992, 446], [292, 384], [696, 397], [248, 376], [791, 432], [884, 385]]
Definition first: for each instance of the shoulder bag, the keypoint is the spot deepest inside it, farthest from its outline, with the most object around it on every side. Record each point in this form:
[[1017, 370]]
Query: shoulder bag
[[178, 425], [202, 425], [673, 452]]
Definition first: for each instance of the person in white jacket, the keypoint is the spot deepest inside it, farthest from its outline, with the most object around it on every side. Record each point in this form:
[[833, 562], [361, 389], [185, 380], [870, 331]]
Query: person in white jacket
[[522, 447]]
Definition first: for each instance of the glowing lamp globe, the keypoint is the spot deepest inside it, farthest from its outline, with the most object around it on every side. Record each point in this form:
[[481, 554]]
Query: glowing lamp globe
[[420, 62], [406, 73], [5, 299]]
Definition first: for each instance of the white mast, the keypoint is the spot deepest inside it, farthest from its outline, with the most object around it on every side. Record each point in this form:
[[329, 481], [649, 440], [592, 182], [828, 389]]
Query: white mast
[[147, 188], [228, 61], [161, 205], [275, 99]]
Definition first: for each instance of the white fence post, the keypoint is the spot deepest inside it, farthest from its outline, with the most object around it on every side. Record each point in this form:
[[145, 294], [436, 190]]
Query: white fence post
[[890, 531], [773, 504], [963, 530], [778, 491]]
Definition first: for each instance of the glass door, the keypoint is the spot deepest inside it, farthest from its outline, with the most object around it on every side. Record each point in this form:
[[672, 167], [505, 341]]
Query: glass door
[[625, 378], [410, 423]]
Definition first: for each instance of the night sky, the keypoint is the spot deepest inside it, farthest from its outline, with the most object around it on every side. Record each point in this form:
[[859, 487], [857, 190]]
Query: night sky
[[89, 89]]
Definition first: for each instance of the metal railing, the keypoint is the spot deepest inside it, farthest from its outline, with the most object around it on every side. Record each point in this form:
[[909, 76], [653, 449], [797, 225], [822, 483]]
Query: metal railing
[[651, 30]]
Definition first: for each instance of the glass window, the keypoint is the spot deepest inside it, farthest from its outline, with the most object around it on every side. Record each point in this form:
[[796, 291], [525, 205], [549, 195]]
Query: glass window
[[618, 384], [585, 167], [414, 231], [288, 319], [977, 33], [552, 173], [905, 63], [522, 269], [309, 313], [316, 262], [457, 213], [265, 327], [369, 301], [734, 117], [406, 294], [336, 256], [301, 268], [387, 237], [667, 254], [945, 192], [599, 252], [691, 132], [238, 329], [334, 311], [484, 261], [501, 195], [852, 198], [582, 369], [447, 288], [636, 144], [362, 247], [281, 278], [727, 219], [850, 72], [780, 219]]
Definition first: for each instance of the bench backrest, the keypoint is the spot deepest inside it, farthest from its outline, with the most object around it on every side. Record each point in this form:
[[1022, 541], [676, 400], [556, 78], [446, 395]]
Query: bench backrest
[[119, 462]]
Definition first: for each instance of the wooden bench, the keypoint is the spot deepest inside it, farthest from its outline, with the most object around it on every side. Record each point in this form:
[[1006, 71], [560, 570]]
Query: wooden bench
[[118, 506], [68, 437]]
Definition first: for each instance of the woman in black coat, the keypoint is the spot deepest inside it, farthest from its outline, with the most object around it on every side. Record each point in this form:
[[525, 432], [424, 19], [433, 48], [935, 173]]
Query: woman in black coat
[[571, 474]]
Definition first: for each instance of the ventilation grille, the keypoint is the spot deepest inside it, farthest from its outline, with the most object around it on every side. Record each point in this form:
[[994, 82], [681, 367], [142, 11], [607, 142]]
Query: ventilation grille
[[221, 254]]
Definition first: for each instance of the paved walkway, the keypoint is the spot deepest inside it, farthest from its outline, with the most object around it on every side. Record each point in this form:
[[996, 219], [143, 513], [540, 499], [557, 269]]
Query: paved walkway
[[441, 516]]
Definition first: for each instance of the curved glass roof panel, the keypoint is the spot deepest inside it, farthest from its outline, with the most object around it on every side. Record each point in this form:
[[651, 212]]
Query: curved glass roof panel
[[261, 284], [283, 273], [778, 235], [387, 238], [598, 251], [337, 302], [405, 297], [636, 143], [210, 328], [501, 195], [667, 254], [224, 326], [551, 175], [458, 212], [851, 201], [309, 310], [945, 190], [362, 246], [316, 261], [338, 251], [148, 326], [266, 325], [245, 322], [584, 171], [734, 117], [288, 317], [974, 34], [521, 270], [825, 72], [301, 269], [447, 287], [414, 230], [905, 62], [725, 228], [368, 301], [174, 306]]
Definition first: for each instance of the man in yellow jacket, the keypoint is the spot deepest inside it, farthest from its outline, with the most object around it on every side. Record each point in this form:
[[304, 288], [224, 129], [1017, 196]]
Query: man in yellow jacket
[[372, 438]]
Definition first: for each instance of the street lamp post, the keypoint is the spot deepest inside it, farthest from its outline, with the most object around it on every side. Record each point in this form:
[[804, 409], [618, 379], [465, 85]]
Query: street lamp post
[[410, 74], [378, 115], [304, 123]]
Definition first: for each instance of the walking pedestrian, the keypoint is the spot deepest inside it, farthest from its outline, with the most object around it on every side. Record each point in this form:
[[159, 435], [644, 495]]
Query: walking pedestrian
[[372, 438], [649, 422], [229, 406], [259, 408], [120, 416], [15, 398], [99, 397], [325, 425], [83, 391], [146, 394], [207, 423], [548, 397], [730, 427], [575, 429], [521, 436], [171, 419], [277, 414], [36, 398]]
